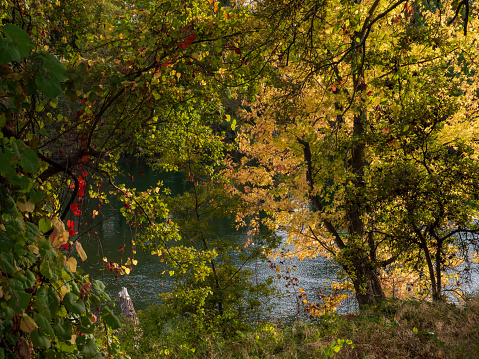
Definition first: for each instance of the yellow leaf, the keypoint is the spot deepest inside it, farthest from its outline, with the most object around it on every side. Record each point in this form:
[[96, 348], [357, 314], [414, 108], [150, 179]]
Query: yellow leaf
[[105, 259], [71, 263], [277, 269], [301, 290], [134, 261], [33, 249], [305, 301], [25, 206], [80, 251], [27, 324], [57, 224], [95, 213], [127, 270], [121, 36], [59, 236]]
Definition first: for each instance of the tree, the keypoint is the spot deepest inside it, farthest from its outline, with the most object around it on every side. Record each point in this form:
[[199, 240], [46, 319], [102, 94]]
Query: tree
[[356, 145], [82, 84]]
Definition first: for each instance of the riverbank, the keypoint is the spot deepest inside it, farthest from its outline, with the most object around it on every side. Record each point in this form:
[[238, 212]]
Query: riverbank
[[396, 329]]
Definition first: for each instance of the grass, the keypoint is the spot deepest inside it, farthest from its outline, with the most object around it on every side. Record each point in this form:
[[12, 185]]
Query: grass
[[395, 329]]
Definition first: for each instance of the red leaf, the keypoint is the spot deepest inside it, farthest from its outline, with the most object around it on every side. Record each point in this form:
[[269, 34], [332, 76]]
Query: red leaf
[[191, 37], [70, 224]]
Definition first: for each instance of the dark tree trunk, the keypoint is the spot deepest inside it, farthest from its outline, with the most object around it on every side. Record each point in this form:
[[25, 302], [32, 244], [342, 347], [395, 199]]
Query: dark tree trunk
[[367, 285]]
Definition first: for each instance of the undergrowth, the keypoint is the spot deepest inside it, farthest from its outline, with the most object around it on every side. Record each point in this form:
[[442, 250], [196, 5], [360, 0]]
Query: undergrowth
[[394, 329]]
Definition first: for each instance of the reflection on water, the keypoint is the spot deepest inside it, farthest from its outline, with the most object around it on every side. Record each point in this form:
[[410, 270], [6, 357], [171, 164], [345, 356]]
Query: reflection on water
[[145, 282]]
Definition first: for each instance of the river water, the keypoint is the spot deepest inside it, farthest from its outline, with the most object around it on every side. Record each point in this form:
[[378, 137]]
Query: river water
[[145, 282]]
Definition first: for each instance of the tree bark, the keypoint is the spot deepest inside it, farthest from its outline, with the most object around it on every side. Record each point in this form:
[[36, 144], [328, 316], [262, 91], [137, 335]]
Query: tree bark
[[367, 285]]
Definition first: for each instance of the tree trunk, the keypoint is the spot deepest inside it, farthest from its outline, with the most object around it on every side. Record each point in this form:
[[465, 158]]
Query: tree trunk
[[367, 285]]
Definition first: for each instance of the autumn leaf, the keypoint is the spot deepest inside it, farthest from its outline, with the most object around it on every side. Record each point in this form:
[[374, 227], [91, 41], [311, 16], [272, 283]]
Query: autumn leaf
[[27, 324], [25, 206], [80, 251], [71, 263]]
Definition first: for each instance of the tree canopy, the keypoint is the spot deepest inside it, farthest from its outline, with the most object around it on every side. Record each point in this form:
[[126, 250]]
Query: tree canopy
[[363, 146]]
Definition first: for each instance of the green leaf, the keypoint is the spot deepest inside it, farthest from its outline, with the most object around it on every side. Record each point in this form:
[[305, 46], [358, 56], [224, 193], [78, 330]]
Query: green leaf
[[73, 304], [65, 347], [19, 38], [41, 302], [63, 329], [98, 285], [112, 320], [6, 163], [23, 298], [40, 340], [8, 52], [44, 323], [89, 349], [49, 77], [45, 225], [46, 271], [29, 161], [53, 300], [7, 263]]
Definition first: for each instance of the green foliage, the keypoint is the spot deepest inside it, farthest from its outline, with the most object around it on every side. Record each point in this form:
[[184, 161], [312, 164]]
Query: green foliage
[[45, 304], [393, 329]]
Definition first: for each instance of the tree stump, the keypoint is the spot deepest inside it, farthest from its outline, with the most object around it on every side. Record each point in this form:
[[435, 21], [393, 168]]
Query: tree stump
[[126, 307]]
